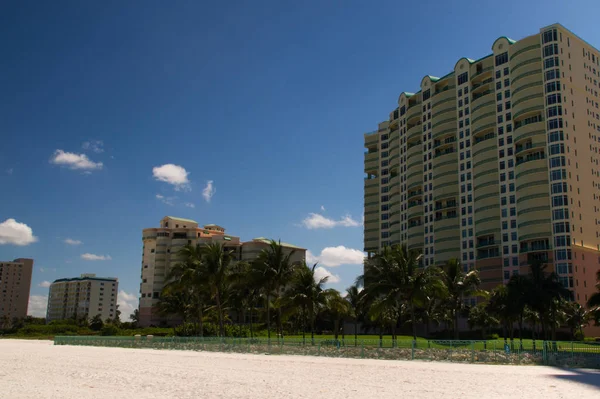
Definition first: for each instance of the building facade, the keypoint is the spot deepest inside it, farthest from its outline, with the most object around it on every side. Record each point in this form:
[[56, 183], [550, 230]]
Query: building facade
[[15, 285], [85, 296], [160, 252], [495, 163]]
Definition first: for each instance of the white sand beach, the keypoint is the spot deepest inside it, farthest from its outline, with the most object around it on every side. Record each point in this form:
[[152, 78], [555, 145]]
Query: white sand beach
[[38, 369]]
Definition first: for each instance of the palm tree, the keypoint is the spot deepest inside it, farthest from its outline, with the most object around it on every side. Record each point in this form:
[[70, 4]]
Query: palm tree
[[576, 317], [176, 302], [275, 266], [545, 294], [594, 301], [307, 295], [480, 317], [339, 308], [353, 296], [189, 276], [459, 285], [394, 278], [216, 261], [519, 293], [501, 306]]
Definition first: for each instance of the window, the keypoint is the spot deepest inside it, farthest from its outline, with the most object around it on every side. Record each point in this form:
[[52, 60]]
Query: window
[[550, 49], [464, 77], [501, 59]]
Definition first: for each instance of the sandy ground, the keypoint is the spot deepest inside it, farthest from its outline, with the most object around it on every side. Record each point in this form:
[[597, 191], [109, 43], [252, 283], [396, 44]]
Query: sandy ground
[[37, 369]]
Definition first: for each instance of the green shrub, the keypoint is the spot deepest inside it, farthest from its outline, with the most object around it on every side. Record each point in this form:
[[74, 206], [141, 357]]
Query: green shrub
[[109, 330], [492, 336]]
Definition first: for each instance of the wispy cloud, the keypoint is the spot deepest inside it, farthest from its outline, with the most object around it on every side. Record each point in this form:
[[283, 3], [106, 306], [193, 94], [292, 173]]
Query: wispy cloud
[[172, 174], [336, 256], [87, 256], [209, 190], [74, 161], [71, 241], [9, 171], [166, 200], [96, 146], [190, 205], [322, 208], [15, 233], [318, 221], [45, 284]]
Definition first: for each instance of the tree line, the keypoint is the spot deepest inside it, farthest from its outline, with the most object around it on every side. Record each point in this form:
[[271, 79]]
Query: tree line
[[394, 292]]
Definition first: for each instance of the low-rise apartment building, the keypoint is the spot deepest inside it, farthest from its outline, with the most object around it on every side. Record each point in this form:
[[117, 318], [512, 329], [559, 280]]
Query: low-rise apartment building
[[160, 252], [85, 296]]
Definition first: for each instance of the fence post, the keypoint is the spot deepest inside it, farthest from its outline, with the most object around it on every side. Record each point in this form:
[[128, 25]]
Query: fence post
[[572, 352], [362, 349], [319, 351], [472, 351], [413, 350]]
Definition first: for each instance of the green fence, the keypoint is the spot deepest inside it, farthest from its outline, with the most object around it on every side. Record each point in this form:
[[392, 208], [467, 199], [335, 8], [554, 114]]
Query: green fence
[[564, 354]]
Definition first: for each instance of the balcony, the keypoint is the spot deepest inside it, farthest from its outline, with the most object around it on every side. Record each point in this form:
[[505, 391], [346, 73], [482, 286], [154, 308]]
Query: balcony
[[447, 141], [414, 131], [487, 243], [484, 83], [371, 156]]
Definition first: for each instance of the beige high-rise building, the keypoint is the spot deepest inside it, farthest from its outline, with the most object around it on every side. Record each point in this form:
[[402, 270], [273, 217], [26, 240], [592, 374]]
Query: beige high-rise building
[[15, 285], [85, 296], [160, 252], [495, 163]]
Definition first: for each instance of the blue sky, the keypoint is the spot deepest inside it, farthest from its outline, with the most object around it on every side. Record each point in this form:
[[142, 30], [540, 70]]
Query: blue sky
[[267, 100]]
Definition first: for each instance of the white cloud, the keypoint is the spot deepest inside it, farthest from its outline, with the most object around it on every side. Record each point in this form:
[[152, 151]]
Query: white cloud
[[15, 233], [209, 191], [190, 205], [173, 174], [321, 272], [318, 221], [166, 200], [70, 241], [96, 146], [45, 284], [322, 208], [37, 305], [127, 304], [74, 161], [95, 257], [335, 256], [42, 270], [9, 171]]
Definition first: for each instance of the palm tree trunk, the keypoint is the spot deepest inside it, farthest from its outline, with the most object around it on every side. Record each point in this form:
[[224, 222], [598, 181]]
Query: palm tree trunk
[[312, 329], [455, 324], [336, 328], [413, 321], [220, 314], [251, 322], [200, 322], [304, 316], [268, 318]]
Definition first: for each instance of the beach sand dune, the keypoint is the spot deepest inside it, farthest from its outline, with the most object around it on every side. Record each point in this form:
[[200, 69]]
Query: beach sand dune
[[38, 369]]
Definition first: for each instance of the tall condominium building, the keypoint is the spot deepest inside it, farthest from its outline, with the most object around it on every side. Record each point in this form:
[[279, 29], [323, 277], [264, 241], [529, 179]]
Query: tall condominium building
[[15, 284], [495, 163], [85, 296], [160, 252]]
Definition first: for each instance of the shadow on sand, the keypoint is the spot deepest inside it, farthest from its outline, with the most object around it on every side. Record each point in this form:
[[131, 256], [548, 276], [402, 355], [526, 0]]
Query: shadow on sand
[[582, 376]]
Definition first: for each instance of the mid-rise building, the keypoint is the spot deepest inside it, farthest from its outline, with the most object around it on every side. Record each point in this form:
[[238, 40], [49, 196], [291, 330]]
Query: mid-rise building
[[495, 163], [15, 285], [85, 296], [160, 252]]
